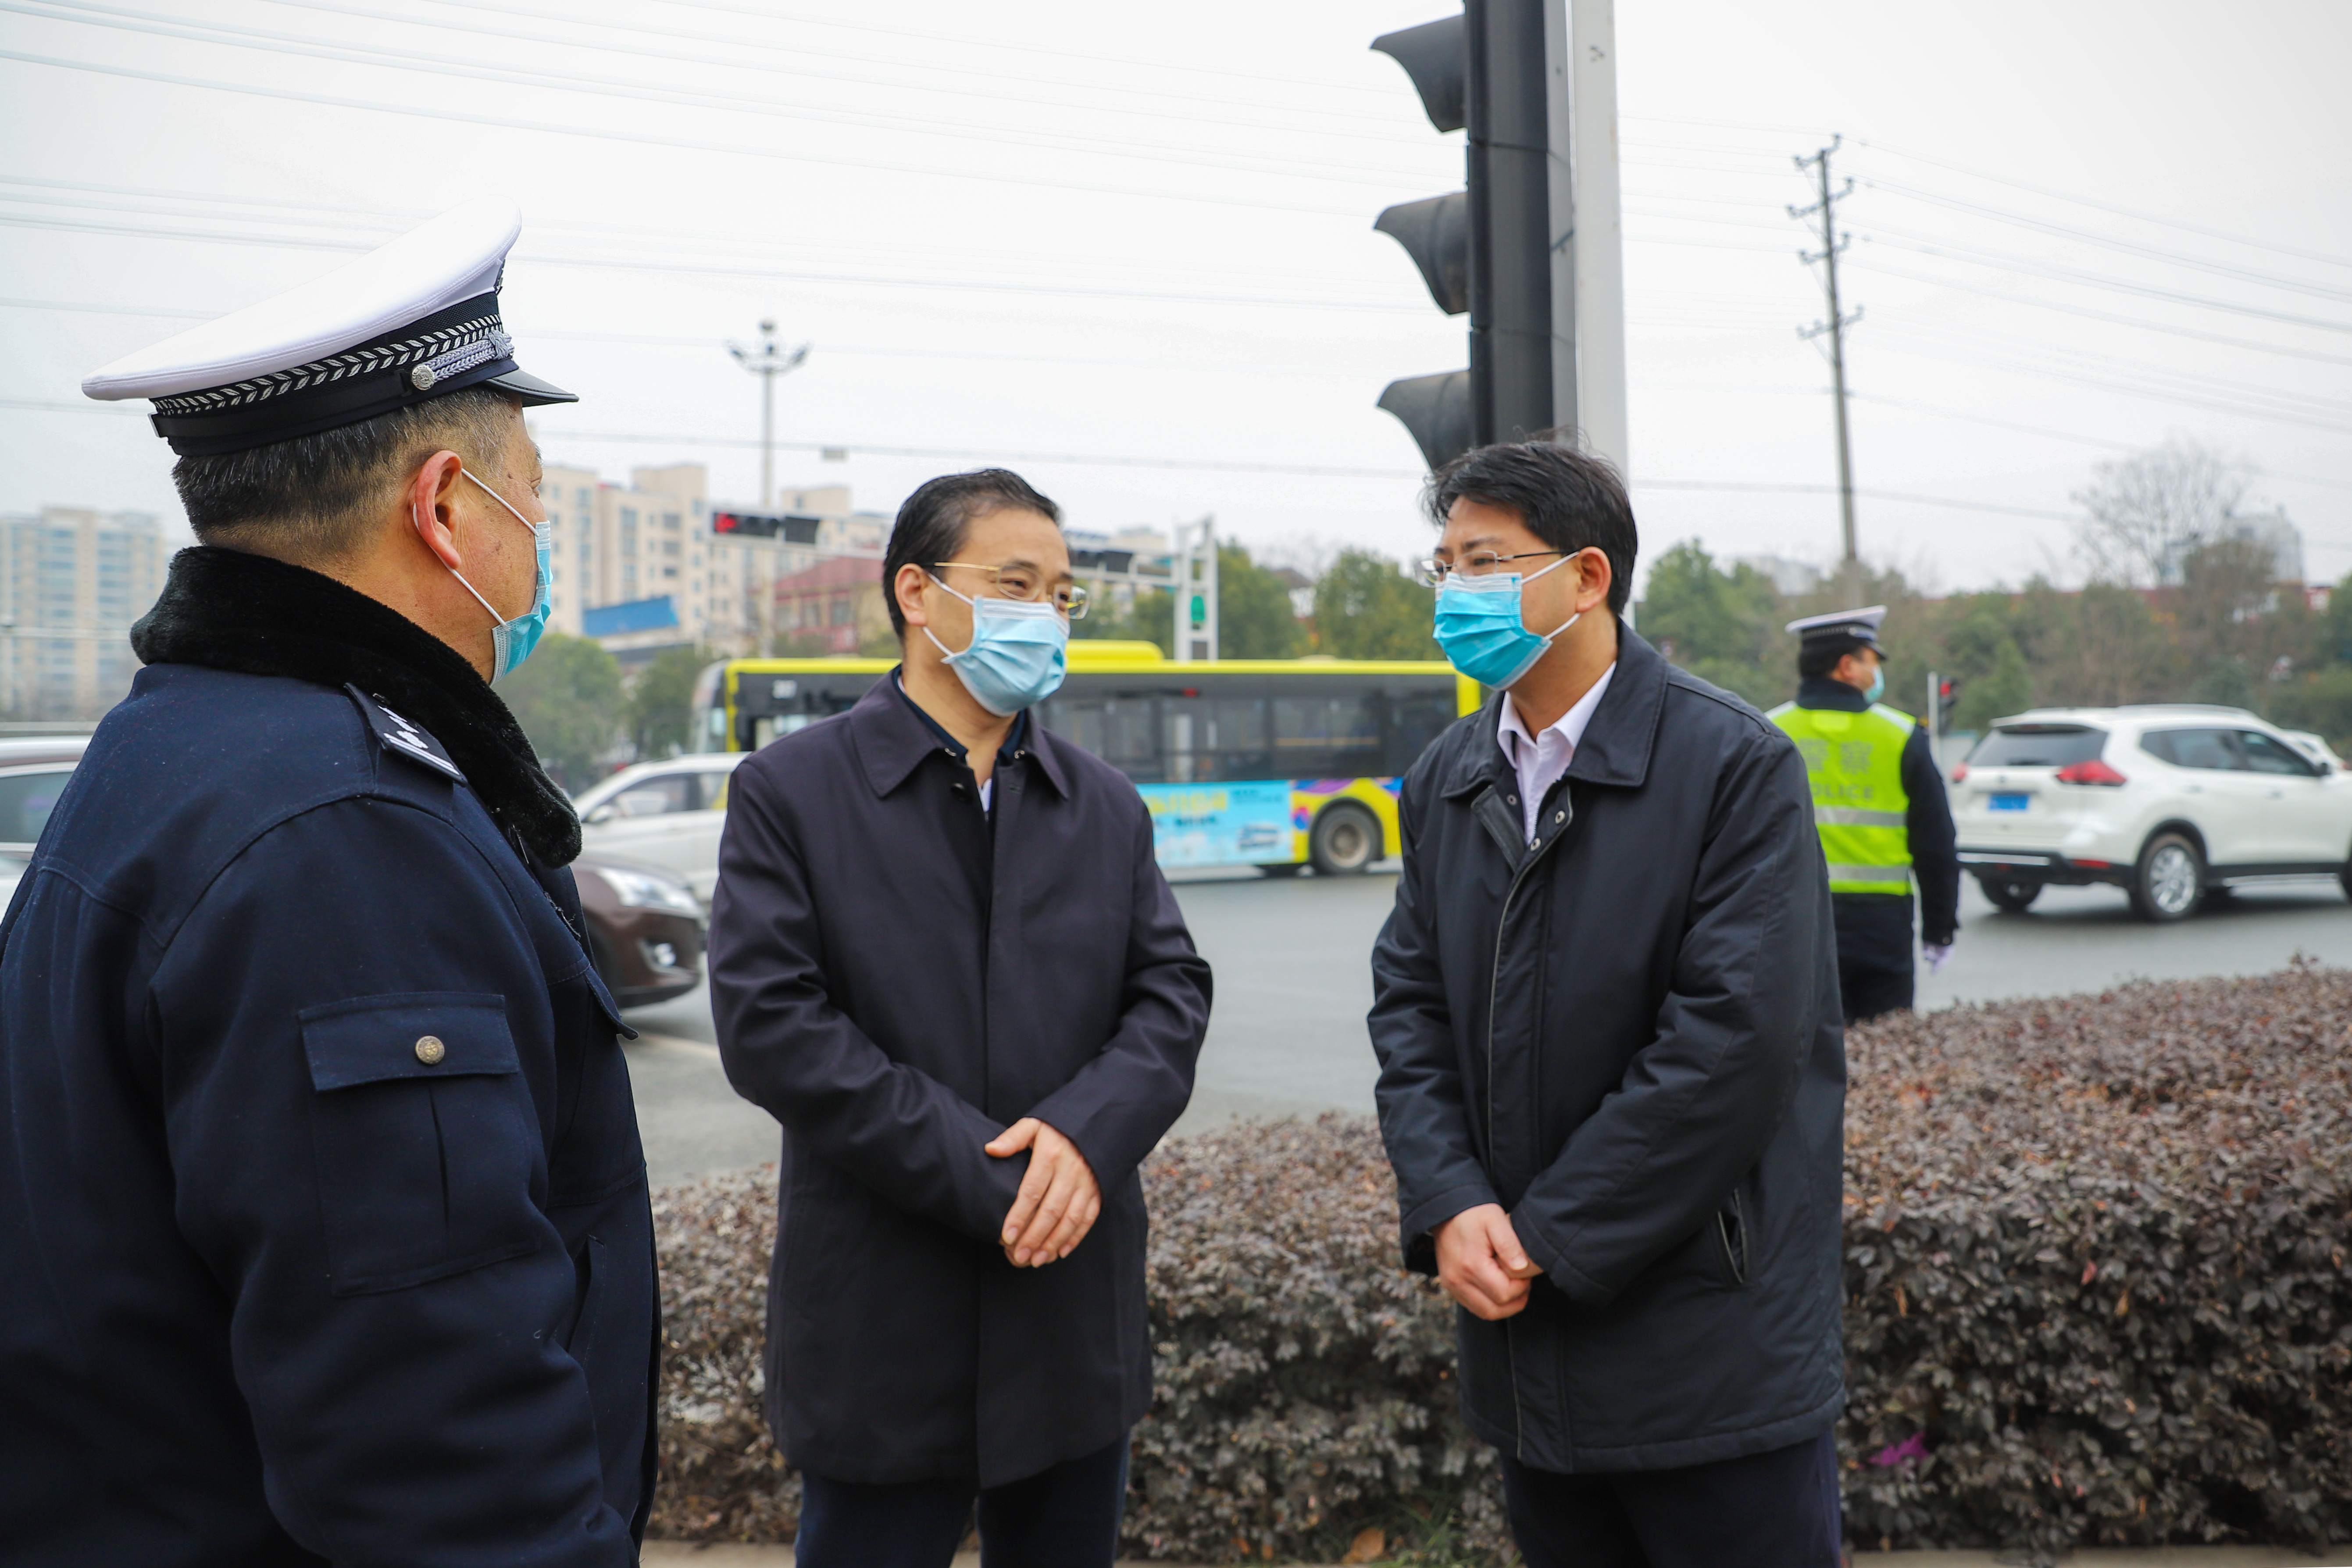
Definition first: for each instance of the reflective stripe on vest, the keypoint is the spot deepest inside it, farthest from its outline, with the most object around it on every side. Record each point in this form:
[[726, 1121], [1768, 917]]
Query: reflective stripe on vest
[[1854, 764]]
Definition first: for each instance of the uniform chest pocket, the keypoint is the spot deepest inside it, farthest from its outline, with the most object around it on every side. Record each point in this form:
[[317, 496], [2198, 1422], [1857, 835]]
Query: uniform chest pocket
[[428, 1153]]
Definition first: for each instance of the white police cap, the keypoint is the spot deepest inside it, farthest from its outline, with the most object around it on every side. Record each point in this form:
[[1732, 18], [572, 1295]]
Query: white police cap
[[415, 320], [1847, 628]]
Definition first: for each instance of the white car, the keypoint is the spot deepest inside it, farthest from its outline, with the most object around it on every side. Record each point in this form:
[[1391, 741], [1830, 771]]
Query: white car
[[33, 773], [2171, 804], [669, 814]]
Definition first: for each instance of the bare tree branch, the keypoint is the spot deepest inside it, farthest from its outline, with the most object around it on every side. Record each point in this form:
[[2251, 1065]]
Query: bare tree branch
[[2149, 511]]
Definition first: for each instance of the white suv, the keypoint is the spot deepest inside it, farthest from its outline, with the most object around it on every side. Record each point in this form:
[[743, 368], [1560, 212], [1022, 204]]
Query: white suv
[[668, 813], [2168, 802]]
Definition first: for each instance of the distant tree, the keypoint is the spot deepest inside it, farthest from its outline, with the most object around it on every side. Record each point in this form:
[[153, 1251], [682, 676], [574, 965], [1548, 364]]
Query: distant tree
[[2119, 654], [2006, 688], [1255, 615], [1150, 616], [660, 708], [1366, 608], [567, 697], [1722, 626], [2149, 511]]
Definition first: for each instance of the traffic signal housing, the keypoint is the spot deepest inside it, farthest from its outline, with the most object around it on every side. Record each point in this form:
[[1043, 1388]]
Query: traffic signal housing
[[1497, 250]]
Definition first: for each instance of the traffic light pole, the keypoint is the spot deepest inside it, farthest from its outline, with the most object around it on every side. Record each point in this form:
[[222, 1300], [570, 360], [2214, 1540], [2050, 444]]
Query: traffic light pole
[[1193, 576], [768, 361], [1530, 248]]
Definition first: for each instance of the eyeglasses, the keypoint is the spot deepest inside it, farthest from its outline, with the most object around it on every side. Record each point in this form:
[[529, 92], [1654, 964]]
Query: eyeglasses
[[1029, 585], [1435, 572]]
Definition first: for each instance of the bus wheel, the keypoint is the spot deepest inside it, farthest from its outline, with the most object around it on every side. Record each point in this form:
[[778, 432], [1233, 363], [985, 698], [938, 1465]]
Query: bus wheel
[[1347, 840]]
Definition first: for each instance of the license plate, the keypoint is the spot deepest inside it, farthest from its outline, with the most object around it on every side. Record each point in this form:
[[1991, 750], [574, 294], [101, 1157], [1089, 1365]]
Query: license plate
[[2007, 802]]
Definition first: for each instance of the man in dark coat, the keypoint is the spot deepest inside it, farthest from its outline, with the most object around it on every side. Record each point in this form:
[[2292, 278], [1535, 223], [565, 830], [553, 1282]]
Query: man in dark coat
[[943, 955], [324, 1233], [1612, 1063]]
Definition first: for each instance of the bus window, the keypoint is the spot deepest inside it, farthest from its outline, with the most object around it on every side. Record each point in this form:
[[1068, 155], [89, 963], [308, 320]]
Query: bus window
[[1117, 729], [1414, 720], [1216, 740], [1325, 738]]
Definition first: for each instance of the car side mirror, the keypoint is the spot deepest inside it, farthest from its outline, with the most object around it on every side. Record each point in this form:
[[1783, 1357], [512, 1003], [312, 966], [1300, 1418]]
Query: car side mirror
[[605, 813]]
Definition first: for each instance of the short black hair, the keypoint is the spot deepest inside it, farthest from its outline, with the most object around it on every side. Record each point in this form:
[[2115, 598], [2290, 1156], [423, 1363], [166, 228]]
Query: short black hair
[[313, 499], [933, 522], [1568, 498], [1822, 658]]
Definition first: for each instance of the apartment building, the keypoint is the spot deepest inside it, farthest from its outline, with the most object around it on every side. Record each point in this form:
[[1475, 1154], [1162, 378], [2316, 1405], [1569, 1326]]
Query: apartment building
[[652, 540], [71, 582]]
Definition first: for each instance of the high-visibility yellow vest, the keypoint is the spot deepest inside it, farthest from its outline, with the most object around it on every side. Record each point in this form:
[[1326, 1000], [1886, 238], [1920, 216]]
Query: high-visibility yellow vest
[[1856, 764]]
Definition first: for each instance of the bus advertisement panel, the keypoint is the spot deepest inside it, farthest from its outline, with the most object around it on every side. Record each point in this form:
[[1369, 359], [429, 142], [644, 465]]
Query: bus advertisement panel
[[1277, 763]]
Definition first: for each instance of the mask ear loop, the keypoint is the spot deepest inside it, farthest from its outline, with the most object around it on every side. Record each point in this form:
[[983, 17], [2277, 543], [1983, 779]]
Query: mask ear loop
[[1554, 567], [944, 652], [417, 518]]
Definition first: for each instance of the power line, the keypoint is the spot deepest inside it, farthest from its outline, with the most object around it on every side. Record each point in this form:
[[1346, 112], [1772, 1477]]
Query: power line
[[2128, 248], [87, 13], [736, 42], [847, 279], [2105, 206], [644, 138], [2128, 389], [1098, 459], [1955, 250]]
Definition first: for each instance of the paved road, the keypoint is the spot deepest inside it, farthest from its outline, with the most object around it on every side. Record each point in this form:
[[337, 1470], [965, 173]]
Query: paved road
[[1288, 1037]]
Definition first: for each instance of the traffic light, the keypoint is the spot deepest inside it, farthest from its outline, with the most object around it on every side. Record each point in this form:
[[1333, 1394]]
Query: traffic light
[[1947, 697], [1498, 250], [792, 527]]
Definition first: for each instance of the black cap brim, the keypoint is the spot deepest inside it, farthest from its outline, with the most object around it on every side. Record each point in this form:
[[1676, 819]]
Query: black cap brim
[[529, 390]]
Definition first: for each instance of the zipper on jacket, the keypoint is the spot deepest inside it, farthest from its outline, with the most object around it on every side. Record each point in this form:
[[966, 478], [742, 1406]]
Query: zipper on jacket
[[1536, 848]]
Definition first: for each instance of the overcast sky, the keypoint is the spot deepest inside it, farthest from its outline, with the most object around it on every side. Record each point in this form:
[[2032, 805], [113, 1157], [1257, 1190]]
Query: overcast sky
[[1034, 233]]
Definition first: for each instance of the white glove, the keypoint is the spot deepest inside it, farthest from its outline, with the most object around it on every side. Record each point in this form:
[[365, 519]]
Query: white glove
[[1936, 957]]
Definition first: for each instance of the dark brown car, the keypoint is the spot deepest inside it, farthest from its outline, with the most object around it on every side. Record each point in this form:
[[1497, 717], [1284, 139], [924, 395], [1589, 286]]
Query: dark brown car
[[644, 929]]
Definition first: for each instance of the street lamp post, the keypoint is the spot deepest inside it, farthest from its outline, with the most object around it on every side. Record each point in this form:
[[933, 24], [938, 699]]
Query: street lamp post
[[768, 359]]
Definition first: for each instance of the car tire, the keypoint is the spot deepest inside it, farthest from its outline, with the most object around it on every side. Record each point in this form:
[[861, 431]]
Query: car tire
[[2168, 883], [1345, 842], [2345, 878], [2013, 896]]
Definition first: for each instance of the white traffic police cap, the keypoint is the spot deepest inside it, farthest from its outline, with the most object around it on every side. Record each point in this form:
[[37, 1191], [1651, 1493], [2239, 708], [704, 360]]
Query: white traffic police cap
[[415, 320], [1842, 629]]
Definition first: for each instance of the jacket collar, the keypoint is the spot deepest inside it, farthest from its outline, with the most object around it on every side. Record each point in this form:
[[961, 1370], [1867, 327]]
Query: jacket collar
[[1617, 743], [227, 609], [893, 736], [1821, 691]]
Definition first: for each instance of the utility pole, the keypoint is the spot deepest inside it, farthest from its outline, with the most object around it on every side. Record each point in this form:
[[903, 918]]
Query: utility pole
[[768, 361], [1834, 245]]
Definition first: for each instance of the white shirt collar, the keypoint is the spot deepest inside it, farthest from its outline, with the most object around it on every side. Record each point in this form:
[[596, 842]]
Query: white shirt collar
[[1512, 733]]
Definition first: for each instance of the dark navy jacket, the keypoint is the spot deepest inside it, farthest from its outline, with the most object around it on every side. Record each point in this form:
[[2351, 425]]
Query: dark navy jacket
[[898, 978], [1627, 1034], [324, 1232]]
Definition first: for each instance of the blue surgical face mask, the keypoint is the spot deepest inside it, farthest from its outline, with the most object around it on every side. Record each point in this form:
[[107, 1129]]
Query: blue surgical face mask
[[1018, 655], [1480, 627], [512, 640], [1877, 684]]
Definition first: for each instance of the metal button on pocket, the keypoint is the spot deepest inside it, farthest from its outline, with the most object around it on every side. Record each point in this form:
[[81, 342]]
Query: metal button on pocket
[[430, 1050]]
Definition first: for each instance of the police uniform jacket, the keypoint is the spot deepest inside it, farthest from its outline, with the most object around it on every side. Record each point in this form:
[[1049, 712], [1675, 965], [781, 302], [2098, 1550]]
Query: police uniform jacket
[[324, 1233], [898, 975], [1625, 1030], [1927, 818]]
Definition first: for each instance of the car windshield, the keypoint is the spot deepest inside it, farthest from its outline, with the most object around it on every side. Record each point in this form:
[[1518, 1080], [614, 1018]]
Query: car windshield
[[2038, 746]]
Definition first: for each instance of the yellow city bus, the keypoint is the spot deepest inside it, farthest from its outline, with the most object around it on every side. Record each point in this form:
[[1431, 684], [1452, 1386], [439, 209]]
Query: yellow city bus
[[1277, 763]]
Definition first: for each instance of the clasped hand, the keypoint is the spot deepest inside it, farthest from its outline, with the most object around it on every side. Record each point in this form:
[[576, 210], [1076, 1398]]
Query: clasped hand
[[1481, 1265], [1059, 1197]]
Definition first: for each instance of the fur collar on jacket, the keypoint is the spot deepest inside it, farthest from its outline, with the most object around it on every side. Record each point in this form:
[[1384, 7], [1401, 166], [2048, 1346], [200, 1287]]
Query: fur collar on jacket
[[226, 609]]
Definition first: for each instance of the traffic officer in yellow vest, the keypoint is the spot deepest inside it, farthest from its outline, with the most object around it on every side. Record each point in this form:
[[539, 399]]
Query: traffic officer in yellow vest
[[1878, 800]]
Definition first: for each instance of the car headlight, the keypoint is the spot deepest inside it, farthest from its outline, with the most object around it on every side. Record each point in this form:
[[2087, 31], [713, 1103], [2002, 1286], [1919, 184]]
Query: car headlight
[[645, 891]]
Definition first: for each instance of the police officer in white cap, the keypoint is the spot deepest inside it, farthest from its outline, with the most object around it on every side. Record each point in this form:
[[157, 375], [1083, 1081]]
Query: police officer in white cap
[[1879, 802], [324, 1233]]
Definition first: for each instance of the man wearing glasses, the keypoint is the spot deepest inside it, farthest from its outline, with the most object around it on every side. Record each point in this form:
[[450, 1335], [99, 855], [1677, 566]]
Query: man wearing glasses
[[1612, 1065], [943, 957]]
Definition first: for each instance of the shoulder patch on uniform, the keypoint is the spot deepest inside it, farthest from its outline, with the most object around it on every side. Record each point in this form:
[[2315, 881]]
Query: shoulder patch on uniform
[[400, 736]]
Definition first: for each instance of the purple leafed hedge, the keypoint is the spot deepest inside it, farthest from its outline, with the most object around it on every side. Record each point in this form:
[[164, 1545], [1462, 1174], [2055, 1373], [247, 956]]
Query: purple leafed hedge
[[2098, 1292]]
